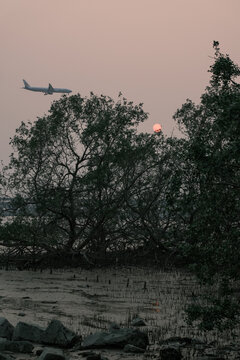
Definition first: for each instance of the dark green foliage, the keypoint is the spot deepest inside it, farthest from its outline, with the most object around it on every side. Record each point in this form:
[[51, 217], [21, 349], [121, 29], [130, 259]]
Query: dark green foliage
[[220, 313], [223, 70], [210, 179], [74, 170], [208, 207]]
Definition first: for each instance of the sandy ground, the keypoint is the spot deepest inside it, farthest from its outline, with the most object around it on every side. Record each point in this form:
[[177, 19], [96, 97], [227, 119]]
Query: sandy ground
[[89, 301]]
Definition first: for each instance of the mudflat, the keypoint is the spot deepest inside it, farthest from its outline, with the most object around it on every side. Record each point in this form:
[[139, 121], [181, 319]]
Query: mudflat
[[87, 301]]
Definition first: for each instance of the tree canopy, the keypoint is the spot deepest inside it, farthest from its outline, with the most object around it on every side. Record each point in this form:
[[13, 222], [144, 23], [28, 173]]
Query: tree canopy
[[207, 203], [76, 169]]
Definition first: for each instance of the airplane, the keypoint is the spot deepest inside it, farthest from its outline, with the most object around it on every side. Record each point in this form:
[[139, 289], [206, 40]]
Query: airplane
[[47, 91]]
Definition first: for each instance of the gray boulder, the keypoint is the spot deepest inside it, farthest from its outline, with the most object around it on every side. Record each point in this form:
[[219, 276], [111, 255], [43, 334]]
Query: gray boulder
[[19, 346], [116, 339], [16, 346], [24, 331], [170, 353], [6, 329], [3, 341], [90, 355], [133, 349], [52, 354], [57, 334], [138, 322], [6, 357], [94, 356], [114, 326]]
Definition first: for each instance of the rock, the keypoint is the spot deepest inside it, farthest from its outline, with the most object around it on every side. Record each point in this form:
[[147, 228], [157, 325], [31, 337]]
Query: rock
[[24, 331], [6, 329], [38, 352], [19, 346], [3, 341], [87, 353], [94, 357], [57, 334], [52, 354], [181, 341], [114, 326], [90, 355], [170, 353], [16, 346], [76, 347], [6, 357], [133, 349], [138, 322], [96, 340], [116, 339]]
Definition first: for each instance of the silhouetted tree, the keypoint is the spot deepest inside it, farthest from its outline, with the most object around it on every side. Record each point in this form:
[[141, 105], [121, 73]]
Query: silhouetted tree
[[147, 215], [74, 170], [207, 184]]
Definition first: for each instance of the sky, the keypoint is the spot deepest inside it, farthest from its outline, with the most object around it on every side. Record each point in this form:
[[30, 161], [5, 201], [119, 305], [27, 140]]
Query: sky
[[154, 51]]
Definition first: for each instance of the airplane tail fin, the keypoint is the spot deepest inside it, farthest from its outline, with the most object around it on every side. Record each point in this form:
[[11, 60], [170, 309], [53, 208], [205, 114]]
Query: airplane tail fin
[[50, 89], [26, 84]]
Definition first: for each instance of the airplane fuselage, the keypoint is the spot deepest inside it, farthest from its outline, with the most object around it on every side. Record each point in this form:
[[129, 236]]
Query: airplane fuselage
[[47, 91]]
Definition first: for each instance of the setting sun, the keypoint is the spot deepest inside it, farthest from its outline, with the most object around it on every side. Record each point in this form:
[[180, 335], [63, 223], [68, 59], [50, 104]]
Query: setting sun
[[157, 128]]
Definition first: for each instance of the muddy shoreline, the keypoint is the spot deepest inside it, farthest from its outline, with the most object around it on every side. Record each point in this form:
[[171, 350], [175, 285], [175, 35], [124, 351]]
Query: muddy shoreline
[[87, 301]]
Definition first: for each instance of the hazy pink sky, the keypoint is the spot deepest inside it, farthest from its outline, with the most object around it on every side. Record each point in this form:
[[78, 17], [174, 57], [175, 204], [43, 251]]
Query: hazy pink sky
[[153, 51]]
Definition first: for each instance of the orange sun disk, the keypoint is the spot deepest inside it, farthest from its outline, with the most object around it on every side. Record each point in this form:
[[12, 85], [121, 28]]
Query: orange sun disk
[[157, 128]]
